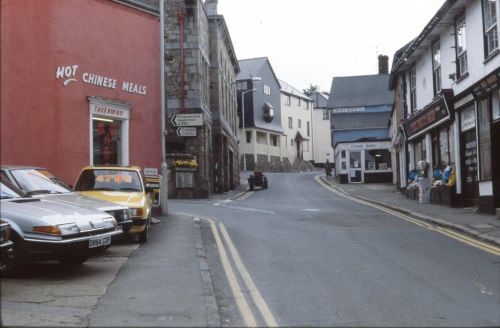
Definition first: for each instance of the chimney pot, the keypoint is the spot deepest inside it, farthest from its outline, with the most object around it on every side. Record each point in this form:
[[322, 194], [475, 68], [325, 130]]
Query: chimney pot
[[211, 6], [383, 64]]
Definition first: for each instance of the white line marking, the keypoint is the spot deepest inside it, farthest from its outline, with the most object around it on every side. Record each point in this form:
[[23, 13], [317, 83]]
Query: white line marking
[[450, 233]]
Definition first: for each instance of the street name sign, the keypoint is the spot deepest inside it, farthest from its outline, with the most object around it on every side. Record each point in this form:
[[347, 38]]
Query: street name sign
[[186, 132], [187, 120]]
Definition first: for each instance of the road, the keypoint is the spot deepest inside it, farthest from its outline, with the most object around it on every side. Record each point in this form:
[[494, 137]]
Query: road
[[308, 256], [297, 254]]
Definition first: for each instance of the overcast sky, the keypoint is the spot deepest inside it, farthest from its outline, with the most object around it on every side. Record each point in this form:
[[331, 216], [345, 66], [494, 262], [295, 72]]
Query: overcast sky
[[311, 41]]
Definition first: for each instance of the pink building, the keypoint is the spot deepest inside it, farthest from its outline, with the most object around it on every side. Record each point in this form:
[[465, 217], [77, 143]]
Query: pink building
[[80, 84]]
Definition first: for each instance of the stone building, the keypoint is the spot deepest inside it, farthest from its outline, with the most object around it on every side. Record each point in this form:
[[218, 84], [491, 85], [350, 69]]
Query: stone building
[[223, 102], [200, 99]]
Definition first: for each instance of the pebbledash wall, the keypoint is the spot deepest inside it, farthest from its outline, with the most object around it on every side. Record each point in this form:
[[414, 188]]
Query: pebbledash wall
[[80, 84]]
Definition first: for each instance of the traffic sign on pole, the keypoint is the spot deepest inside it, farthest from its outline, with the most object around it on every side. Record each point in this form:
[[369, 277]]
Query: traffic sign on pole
[[186, 132], [187, 120]]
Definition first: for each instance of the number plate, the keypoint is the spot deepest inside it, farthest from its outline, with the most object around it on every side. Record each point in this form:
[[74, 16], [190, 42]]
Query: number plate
[[99, 241]]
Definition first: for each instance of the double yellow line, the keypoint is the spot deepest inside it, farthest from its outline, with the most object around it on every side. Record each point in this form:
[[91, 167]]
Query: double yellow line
[[236, 289], [445, 231], [244, 195]]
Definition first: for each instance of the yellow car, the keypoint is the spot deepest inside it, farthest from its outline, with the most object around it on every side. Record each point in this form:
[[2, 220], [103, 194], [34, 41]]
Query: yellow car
[[124, 185]]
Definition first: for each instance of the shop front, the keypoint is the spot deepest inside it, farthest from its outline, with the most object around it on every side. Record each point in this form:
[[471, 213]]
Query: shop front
[[480, 143], [90, 96], [363, 162], [432, 151]]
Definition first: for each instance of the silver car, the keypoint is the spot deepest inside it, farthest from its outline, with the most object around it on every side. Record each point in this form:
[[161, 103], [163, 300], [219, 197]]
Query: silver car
[[38, 182], [43, 229]]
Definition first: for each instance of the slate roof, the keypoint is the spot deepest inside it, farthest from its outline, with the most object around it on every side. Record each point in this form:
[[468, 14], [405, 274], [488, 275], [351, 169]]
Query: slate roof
[[360, 91], [287, 88], [320, 100], [252, 66], [360, 121]]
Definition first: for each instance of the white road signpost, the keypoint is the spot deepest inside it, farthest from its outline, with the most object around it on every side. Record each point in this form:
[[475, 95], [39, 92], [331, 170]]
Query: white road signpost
[[186, 132], [187, 120]]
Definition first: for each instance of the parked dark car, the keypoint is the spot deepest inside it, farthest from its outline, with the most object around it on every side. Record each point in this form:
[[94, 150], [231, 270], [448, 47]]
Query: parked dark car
[[42, 229], [257, 179], [6, 247], [38, 182]]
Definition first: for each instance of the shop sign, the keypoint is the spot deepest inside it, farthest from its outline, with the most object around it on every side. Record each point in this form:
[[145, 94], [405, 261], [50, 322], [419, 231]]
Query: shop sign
[[150, 171], [487, 85], [187, 120], [468, 119], [348, 110], [70, 74], [423, 119], [110, 111]]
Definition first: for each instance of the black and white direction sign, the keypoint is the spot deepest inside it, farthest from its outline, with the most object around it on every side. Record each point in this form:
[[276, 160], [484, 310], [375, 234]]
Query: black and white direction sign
[[187, 120], [186, 132]]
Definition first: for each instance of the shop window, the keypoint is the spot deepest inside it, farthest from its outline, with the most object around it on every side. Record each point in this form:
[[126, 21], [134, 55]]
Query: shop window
[[377, 159], [107, 142], [484, 139], [496, 106], [444, 148], [451, 145], [418, 152]]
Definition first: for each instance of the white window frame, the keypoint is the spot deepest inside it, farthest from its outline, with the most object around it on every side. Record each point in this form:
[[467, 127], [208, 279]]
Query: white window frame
[[490, 28], [461, 45], [436, 66], [413, 88], [267, 89]]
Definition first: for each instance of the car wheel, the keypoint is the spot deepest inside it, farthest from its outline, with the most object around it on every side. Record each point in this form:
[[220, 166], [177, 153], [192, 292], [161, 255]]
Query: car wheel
[[251, 187], [73, 260], [143, 236], [20, 257], [264, 185]]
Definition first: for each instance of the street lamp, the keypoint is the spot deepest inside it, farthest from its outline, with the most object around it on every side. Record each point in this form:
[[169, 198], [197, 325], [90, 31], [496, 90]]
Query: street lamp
[[254, 79]]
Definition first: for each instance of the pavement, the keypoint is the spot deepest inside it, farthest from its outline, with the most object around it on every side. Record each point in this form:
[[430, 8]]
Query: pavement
[[485, 227]]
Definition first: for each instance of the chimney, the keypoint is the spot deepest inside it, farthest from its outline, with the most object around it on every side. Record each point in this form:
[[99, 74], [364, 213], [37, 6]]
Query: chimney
[[383, 64], [211, 6]]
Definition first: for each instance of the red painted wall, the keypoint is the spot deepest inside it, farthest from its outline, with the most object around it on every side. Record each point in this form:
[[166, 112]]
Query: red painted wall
[[45, 123]]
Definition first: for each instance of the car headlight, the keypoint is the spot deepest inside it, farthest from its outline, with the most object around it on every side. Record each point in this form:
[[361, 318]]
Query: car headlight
[[59, 230], [110, 222], [69, 229], [136, 212], [126, 215]]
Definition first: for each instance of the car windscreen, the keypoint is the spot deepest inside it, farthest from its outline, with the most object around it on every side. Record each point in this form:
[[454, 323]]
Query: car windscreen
[[109, 180], [37, 181], [7, 190]]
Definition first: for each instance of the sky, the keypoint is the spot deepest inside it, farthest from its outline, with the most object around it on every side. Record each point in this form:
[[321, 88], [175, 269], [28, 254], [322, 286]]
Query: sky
[[312, 41]]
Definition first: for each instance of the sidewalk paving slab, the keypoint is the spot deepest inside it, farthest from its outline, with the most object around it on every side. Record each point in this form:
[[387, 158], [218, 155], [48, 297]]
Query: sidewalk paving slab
[[485, 227]]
